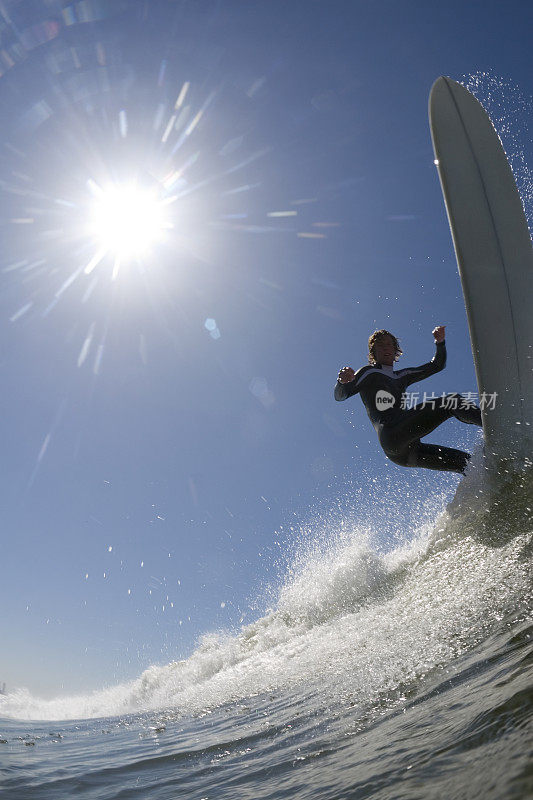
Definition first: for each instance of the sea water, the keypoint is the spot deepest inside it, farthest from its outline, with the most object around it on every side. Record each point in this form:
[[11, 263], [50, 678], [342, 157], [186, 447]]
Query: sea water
[[390, 675]]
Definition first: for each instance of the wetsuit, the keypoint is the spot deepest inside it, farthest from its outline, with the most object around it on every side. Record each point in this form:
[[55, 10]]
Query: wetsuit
[[400, 429]]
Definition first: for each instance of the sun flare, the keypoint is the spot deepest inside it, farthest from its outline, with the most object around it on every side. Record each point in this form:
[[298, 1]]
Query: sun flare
[[125, 222]]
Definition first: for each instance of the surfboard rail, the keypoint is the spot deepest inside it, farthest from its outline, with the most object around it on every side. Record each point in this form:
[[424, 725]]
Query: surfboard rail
[[495, 260]]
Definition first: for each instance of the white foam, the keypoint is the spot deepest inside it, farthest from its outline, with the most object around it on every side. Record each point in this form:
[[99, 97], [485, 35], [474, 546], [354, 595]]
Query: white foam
[[360, 621]]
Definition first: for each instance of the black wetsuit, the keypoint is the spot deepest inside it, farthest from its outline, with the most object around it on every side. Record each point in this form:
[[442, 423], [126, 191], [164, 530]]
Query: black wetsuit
[[400, 429]]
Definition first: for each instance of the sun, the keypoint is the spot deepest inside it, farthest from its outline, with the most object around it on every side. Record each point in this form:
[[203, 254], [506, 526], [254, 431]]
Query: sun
[[125, 221]]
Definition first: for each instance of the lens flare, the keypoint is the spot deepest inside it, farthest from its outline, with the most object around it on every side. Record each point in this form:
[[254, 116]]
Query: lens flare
[[126, 220]]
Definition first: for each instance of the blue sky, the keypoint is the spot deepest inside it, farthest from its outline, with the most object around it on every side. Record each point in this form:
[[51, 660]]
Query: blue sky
[[145, 458]]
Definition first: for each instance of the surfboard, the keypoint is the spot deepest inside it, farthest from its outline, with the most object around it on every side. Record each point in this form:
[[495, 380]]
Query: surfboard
[[495, 260]]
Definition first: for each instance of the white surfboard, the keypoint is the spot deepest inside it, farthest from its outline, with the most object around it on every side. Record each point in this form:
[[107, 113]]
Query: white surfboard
[[495, 258]]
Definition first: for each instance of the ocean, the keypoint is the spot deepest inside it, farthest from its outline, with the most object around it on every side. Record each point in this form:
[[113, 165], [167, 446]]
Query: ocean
[[393, 674]]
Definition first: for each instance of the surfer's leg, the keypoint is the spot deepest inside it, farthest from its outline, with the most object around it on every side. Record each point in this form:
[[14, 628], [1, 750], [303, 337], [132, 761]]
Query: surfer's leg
[[401, 442], [470, 414], [417, 422], [432, 456], [423, 419]]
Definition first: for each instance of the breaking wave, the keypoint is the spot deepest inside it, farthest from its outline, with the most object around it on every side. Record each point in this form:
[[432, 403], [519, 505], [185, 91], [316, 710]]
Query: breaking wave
[[348, 618]]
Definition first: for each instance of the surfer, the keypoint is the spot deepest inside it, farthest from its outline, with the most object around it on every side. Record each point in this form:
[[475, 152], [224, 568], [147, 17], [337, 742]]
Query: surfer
[[398, 427]]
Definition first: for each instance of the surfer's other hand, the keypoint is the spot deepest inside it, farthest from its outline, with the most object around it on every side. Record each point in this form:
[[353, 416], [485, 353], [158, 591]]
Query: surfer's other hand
[[439, 333], [346, 375]]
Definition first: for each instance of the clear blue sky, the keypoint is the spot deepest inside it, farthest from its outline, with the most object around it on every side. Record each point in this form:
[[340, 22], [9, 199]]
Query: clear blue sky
[[139, 449]]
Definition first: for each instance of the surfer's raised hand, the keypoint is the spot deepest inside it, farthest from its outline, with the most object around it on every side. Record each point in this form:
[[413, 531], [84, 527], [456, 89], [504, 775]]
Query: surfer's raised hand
[[346, 375], [439, 333]]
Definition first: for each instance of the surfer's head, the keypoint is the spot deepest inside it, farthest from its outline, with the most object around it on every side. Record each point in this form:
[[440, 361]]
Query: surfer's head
[[383, 348]]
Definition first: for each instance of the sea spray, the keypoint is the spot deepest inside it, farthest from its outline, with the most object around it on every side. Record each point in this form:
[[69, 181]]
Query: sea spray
[[348, 622]]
